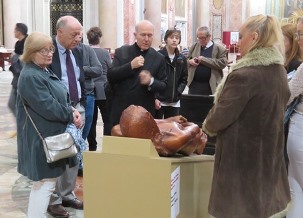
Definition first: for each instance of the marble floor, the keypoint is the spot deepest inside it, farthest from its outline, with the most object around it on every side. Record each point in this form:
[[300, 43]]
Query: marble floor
[[15, 188]]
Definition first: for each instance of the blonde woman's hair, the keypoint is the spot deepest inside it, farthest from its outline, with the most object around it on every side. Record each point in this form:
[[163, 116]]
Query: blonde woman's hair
[[289, 30], [33, 43], [269, 32]]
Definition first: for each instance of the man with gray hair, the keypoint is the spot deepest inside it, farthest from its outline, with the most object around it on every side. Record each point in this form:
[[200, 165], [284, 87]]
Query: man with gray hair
[[68, 66], [206, 61]]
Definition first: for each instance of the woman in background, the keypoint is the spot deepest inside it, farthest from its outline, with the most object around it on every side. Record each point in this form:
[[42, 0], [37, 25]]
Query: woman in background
[[293, 59], [295, 136], [293, 54], [94, 35]]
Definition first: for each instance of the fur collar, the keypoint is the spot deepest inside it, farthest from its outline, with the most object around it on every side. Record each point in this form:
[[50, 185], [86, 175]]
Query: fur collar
[[257, 57]]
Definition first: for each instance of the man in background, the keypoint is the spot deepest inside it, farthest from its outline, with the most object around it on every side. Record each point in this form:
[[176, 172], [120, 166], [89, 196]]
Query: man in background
[[68, 66], [20, 32], [206, 61], [137, 73]]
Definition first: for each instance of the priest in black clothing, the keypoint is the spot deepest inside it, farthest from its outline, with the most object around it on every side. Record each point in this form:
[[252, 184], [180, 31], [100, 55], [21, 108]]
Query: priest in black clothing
[[137, 73]]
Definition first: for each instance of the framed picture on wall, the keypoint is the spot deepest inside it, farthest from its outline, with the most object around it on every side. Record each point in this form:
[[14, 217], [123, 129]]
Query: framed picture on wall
[[217, 28], [234, 37]]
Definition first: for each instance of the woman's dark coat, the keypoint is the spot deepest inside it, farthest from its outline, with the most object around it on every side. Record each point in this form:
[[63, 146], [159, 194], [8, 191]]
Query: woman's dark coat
[[47, 102]]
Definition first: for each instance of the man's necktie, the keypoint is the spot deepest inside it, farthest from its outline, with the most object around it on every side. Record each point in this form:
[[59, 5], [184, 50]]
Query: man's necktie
[[72, 83]]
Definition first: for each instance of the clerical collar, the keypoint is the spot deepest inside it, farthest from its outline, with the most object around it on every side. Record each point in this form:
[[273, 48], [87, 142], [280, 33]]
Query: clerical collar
[[139, 49]]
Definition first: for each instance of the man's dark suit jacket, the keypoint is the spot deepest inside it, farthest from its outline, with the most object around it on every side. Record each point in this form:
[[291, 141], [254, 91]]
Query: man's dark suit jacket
[[126, 84], [56, 68]]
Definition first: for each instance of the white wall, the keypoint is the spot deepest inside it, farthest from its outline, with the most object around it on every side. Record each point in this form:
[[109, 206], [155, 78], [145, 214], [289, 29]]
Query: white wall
[[257, 7], [36, 15], [13, 13]]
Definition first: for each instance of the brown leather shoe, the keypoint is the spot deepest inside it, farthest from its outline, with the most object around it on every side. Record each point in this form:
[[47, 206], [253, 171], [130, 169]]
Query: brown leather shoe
[[57, 210], [75, 203]]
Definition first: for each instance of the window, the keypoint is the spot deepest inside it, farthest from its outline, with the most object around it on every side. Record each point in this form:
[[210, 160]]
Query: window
[[59, 8]]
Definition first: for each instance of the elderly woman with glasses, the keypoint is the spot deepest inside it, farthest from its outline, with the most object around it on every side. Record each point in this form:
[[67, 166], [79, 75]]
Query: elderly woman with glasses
[[206, 61], [46, 99]]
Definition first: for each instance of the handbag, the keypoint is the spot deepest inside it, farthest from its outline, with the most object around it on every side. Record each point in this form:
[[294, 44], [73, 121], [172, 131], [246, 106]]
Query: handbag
[[290, 109], [16, 65], [58, 146]]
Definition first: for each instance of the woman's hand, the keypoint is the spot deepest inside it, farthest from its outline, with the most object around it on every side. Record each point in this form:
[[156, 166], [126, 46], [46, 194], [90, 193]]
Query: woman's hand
[[77, 118]]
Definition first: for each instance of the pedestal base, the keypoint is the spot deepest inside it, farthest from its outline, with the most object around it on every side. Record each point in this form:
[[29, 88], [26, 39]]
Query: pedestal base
[[128, 179]]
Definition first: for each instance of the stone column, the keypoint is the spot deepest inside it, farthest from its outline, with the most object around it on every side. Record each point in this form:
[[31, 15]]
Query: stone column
[[14, 12], [129, 21], [171, 14], [11, 14], [152, 12], [108, 23], [202, 13], [90, 16]]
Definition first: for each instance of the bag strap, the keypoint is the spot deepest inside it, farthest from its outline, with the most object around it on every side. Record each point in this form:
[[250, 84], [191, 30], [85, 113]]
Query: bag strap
[[32, 122]]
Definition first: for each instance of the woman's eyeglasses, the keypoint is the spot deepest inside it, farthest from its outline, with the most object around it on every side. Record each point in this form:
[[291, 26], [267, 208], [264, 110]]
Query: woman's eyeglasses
[[46, 51]]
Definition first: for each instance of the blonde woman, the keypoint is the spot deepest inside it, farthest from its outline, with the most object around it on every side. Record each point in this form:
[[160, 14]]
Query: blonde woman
[[293, 54], [295, 136], [250, 178]]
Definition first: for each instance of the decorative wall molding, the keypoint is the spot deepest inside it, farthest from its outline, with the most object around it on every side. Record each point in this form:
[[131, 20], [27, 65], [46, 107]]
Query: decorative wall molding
[[217, 28], [218, 4]]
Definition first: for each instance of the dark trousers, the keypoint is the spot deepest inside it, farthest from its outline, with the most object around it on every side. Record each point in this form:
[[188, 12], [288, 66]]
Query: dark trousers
[[166, 112], [91, 138], [199, 88]]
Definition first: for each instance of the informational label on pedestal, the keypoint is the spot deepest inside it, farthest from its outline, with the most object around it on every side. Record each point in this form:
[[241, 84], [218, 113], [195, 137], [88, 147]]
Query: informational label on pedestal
[[175, 193]]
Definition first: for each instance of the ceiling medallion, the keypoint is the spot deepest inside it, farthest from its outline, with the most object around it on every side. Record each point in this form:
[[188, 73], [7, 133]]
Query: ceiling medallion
[[218, 4]]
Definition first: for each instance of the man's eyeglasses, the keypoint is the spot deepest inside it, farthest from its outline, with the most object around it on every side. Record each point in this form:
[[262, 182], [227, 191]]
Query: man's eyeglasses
[[202, 38], [298, 35], [45, 51]]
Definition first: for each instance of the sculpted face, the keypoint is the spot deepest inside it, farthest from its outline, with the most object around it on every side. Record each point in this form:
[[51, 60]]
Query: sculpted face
[[137, 122]]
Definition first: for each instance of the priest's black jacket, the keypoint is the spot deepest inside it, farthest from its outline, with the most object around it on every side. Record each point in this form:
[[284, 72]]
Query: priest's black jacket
[[125, 82]]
